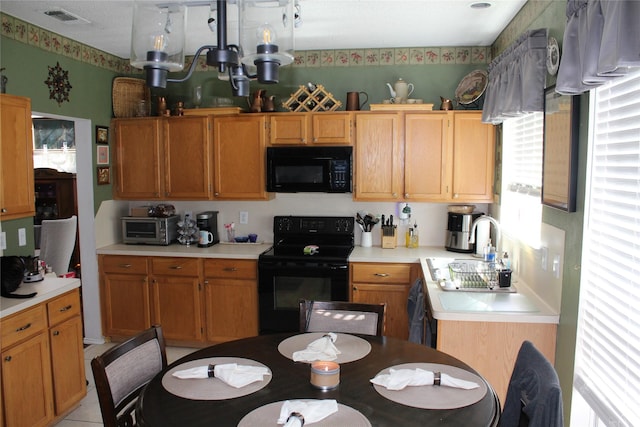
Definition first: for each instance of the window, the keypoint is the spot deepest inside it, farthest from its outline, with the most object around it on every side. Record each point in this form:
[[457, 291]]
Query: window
[[54, 144], [607, 365], [520, 207]]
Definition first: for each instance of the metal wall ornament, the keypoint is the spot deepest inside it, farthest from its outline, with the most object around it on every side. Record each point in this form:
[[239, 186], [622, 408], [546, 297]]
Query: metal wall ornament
[[58, 83]]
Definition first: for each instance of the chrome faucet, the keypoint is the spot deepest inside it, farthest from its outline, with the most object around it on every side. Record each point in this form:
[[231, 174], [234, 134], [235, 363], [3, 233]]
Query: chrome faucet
[[496, 224]]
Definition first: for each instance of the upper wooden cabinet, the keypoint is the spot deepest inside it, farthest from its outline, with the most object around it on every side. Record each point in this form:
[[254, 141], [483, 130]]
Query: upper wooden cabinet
[[431, 156], [163, 158], [16, 158], [239, 155], [310, 128]]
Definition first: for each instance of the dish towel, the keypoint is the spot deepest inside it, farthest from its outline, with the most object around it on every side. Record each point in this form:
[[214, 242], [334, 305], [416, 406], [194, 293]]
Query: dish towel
[[295, 413], [397, 379], [230, 373], [320, 349]]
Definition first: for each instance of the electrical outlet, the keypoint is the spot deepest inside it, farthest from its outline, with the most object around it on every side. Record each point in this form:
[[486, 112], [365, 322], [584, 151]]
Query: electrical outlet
[[544, 257], [188, 214], [22, 237], [3, 240], [244, 217]]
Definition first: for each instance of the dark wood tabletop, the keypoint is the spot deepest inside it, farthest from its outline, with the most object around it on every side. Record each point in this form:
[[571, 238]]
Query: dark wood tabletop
[[290, 380]]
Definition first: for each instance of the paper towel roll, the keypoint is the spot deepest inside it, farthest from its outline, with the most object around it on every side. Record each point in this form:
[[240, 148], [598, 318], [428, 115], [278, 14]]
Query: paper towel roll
[[482, 236]]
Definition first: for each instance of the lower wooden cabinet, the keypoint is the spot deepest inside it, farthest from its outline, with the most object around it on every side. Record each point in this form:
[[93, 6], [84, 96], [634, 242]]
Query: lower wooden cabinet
[[43, 375], [195, 300], [231, 299], [389, 283]]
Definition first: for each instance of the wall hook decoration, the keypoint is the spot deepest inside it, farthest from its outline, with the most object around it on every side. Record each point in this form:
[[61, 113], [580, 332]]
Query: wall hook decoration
[[58, 82]]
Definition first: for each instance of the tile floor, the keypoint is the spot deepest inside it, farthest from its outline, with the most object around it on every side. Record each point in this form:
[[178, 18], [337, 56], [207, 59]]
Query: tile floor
[[88, 413]]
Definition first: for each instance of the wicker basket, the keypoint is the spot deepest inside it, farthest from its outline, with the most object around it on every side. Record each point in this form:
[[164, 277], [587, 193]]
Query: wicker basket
[[126, 94]]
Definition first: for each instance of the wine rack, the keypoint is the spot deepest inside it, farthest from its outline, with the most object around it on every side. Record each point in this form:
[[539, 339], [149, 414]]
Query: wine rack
[[305, 99]]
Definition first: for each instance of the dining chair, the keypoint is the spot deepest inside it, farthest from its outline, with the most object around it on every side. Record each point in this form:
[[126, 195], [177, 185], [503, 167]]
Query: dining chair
[[122, 372], [342, 316], [534, 397], [57, 241]]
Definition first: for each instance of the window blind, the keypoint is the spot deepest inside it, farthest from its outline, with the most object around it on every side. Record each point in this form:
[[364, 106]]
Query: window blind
[[607, 368], [520, 208]]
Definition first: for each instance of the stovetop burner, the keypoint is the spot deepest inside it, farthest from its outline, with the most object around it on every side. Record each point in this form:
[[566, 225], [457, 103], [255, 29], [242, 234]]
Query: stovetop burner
[[311, 238]]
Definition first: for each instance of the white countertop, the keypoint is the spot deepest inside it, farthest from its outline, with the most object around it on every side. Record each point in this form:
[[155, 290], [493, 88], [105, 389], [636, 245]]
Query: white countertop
[[220, 250], [50, 287]]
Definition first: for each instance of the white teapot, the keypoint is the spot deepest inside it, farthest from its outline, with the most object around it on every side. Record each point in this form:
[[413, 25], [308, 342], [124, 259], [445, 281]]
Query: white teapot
[[400, 90]]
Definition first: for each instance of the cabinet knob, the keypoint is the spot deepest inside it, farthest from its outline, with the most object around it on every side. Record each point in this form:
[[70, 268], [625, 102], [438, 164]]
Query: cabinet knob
[[7, 359], [67, 308], [4, 210], [56, 333], [355, 288], [455, 195], [176, 267], [406, 195], [381, 274], [395, 195]]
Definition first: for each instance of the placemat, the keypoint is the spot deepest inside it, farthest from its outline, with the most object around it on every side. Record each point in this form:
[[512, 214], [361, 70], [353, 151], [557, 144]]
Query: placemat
[[351, 347], [210, 388], [267, 416], [435, 397]]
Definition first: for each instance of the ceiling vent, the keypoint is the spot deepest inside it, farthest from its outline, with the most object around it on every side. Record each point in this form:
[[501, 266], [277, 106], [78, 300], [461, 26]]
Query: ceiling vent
[[66, 17]]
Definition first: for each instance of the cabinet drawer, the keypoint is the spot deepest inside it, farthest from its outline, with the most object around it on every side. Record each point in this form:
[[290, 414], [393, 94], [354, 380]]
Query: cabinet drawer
[[175, 266], [124, 264], [230, 268], [23, 325], [381, 273], [64, 307]]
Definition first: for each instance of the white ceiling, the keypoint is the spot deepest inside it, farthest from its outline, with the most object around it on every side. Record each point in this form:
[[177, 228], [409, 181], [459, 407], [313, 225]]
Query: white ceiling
[[326, 24]]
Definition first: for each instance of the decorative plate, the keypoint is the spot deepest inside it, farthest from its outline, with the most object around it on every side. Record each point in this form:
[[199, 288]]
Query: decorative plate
[[471, 87], [553, 56]]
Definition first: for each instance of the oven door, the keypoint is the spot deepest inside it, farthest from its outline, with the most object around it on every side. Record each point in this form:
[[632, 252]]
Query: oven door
[[281, 285]]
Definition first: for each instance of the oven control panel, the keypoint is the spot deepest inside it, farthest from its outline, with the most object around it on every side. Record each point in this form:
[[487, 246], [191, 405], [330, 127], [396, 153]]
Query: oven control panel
[[283, 225]]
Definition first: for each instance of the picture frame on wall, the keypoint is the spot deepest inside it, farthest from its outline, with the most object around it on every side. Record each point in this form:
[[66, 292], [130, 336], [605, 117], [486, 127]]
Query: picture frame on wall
[[102, 135], [104, 175], [102, 155], [560, 150]]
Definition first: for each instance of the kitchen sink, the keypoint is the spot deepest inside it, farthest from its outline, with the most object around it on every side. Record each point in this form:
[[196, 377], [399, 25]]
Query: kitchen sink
[[466, 275]]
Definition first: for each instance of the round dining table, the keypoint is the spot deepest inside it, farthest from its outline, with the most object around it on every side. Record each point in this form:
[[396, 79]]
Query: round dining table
[[157, 407]]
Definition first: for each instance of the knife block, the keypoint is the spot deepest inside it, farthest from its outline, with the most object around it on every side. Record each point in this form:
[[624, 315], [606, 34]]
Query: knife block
[[390, 241]]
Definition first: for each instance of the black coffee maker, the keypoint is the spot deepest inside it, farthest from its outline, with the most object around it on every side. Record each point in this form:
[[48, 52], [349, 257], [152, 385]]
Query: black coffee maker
[[458, 229], [208, 221]]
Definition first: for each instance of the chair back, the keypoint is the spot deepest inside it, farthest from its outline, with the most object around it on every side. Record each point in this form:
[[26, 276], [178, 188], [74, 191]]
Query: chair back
[[342, 316], [122, 372], [57, 241], [534, 397]]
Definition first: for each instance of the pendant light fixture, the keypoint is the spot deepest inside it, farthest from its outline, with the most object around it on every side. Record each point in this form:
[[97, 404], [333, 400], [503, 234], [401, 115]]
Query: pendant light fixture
[[265, 41]]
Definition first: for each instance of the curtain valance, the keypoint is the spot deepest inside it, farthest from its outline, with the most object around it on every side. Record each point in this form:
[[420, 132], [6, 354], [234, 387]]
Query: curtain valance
[[601, 41], [517, 79]]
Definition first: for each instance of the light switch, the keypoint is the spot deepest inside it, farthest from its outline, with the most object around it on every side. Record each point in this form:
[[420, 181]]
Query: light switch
[[3, 240], [544, 257], [22, 237], [556, 266]]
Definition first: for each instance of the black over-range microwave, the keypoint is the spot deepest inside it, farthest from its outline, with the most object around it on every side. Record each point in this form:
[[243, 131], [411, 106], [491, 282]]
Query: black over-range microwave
[[309, 169]]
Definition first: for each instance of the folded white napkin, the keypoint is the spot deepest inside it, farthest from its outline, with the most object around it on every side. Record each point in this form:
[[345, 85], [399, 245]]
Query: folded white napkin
[[397, 379], [312, 411], [231, 373], [320, 349]]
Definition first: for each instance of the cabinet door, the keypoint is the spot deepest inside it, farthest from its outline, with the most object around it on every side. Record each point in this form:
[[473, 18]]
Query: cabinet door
[[427, 144], [176, 307], [331, 128], [473, 158], [138, 168], [188, 160], [289, 129], [67, 362], [231, 309], [239, 157], [395, 295], [126, 304], [26, 383], [16, 158], [379, 154]]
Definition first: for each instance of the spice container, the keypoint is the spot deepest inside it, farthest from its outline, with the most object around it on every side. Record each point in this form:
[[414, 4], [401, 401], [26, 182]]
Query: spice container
[[325, 375]]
